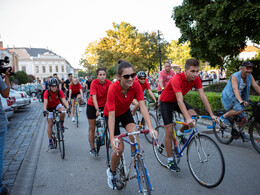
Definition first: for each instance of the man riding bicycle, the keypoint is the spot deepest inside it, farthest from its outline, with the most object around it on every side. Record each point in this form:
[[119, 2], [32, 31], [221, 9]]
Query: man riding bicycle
[[172, 99], [141, 79], [236, 93], [52, 101]]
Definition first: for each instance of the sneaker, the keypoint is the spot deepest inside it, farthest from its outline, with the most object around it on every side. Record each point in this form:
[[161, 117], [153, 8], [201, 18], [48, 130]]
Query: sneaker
[[173, 166], [4, 191], [51, 146], [182, 138], [93, 152], [111, 180], [73, 119], [246, 139], [225, 121]]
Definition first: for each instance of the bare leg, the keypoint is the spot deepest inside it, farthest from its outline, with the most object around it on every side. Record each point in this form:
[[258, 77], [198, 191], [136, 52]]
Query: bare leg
[[92, 124], [168, 139]]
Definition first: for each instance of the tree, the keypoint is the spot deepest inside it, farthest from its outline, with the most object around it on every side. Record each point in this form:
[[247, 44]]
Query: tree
[[178, 53], [219, 28], [82, 73], [21, 77]]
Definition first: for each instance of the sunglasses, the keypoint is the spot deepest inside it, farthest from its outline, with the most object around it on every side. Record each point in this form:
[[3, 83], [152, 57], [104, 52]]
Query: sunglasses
[[53, 86], [141, 78], [127, 76]]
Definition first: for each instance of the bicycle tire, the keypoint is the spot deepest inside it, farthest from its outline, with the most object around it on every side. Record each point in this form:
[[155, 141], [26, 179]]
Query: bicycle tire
[[143, 177], [160, 151], [120, 176], [202, 146], [77, 115], [223, 134], [159, 115], [108, 149], [58, 135], [98, 143], [54, 139], [254, 132], [154, 124], [62, 145]]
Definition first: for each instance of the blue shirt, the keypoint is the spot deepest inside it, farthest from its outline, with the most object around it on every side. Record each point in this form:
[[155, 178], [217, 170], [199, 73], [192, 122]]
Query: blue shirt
[[3, 119]]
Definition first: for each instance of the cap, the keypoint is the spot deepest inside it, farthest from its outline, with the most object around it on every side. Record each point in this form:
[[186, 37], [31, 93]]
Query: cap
[[247, 63]]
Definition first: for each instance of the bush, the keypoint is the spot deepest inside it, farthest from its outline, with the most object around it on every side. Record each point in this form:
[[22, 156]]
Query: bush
[[216, 87], [193, 99]]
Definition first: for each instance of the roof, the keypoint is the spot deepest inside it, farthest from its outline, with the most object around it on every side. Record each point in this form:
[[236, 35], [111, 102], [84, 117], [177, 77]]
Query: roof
[[250, 48], [30, 52]]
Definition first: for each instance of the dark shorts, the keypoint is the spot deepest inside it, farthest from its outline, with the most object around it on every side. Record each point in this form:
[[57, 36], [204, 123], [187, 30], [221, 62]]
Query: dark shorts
[[125, 119], [91, 111], [159, 92], [168, 108], [73, 96]]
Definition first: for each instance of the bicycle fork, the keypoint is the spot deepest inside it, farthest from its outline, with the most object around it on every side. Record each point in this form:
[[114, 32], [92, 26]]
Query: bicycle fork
[[200, 150]]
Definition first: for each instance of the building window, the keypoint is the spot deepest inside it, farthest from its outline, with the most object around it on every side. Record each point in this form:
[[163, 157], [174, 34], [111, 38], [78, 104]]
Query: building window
[[57, 69], [62, 68], [24, 68], [43, 69], [50, 68], [37, 69]]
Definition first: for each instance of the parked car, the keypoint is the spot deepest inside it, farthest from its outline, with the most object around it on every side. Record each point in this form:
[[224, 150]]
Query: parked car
[[29, 89], [22, 99], [8, 105]]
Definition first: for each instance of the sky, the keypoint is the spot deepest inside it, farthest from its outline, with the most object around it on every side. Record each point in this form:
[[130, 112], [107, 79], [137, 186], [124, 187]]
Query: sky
[[67, 26]]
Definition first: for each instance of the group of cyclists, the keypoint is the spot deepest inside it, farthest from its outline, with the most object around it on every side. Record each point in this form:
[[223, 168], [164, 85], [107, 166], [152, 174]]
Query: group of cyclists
[[114, 99]]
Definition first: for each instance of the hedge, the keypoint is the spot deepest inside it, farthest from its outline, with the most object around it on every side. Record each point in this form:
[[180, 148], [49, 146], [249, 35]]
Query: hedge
[[193, 99]]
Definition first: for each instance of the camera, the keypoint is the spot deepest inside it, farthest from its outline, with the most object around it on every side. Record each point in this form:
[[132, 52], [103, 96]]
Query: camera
[[4, 68]]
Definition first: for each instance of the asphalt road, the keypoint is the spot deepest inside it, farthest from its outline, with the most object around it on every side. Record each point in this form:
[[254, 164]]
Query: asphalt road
[[81, 173]]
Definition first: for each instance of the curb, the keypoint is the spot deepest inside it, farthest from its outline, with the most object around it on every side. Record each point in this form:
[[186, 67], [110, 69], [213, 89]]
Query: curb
[[25, 178]]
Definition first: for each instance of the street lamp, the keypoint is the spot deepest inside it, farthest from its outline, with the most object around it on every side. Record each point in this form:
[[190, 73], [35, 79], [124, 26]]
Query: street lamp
[[159, 50]]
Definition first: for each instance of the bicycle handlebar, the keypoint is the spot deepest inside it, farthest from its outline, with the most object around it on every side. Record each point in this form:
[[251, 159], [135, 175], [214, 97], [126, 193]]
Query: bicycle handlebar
[[133, 133]]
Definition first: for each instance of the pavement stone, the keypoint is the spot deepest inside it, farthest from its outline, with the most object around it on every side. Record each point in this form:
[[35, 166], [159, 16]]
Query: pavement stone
[[20, 131]]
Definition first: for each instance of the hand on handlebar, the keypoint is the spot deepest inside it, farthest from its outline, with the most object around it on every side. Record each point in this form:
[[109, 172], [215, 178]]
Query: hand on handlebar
[[115, 144], [45, 113], [191, 123], [153, 133]]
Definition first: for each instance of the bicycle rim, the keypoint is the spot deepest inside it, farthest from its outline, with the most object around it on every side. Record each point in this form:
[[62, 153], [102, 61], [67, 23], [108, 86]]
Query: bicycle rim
[[223, 134], [254, 132], [159, 150], [144, 187], [120, 176], [77, 115], [206, 161], [159, 116], [58, 136], [62, 145], [154, 124]]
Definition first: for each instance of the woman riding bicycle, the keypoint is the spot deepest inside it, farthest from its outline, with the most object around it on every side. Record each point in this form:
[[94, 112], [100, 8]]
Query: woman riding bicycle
[[117, 109], [75, 91], [96, 102]]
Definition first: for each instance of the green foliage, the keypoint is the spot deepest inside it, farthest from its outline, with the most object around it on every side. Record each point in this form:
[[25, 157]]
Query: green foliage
[[21, 77], [193, 99], [82, 73], [216, 87], [219, 28], [179, 53]]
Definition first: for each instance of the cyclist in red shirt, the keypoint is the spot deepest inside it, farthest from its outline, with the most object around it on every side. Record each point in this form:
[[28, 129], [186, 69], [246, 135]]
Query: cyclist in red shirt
[[96, 102], [141, 79], [117, 109], [75, 91], [52, 101], [172, 99]]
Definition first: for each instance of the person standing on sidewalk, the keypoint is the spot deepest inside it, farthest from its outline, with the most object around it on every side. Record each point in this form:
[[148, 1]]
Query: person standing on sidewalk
[[4, 91]]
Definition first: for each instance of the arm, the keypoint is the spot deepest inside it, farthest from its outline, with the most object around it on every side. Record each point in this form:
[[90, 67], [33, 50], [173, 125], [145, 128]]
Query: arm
[[94, 98], [81, 93], [45, 103], [111, 128], [5, 92], [255, 85], [70, 94], [205, 101], [183, 109], [63, 100], [152, 95], [235, 89], [161, 83]]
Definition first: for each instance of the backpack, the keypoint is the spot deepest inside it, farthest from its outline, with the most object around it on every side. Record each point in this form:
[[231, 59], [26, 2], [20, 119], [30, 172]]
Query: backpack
[[58, 95]]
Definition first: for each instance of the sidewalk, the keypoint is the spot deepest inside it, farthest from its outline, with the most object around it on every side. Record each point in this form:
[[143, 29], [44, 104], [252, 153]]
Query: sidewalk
[[20, 131]]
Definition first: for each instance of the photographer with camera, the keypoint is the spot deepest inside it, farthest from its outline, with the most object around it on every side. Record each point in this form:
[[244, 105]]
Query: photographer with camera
[[4, 91]]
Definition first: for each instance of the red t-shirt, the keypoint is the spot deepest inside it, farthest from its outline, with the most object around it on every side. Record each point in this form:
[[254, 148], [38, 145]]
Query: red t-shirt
[[178, 83], [117, 102], [75, 88], [165, 78], [54, 100], [100, 91], [145, 85]]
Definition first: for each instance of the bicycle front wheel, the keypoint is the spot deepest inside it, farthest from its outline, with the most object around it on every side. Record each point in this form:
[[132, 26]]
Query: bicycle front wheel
[[223, 134], [206, 161], [108, 148], [154, 124], [254, 133], [77, 115], [159, 149], [143, 178], [61, 142]]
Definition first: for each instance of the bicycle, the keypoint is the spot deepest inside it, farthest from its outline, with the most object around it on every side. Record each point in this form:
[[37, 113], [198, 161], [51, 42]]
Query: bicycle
[[137, 163], [226, 135], [141, 124], [205, 159], [101, 131], [57, 133], [76, 105]]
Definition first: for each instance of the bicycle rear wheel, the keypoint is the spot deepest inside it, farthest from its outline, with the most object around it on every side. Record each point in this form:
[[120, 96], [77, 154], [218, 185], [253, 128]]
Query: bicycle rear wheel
[[223, 134], [120, 176], [143, 179], [206, 161], [154, 124], [159, 150], [254, 133], [159, 115]]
